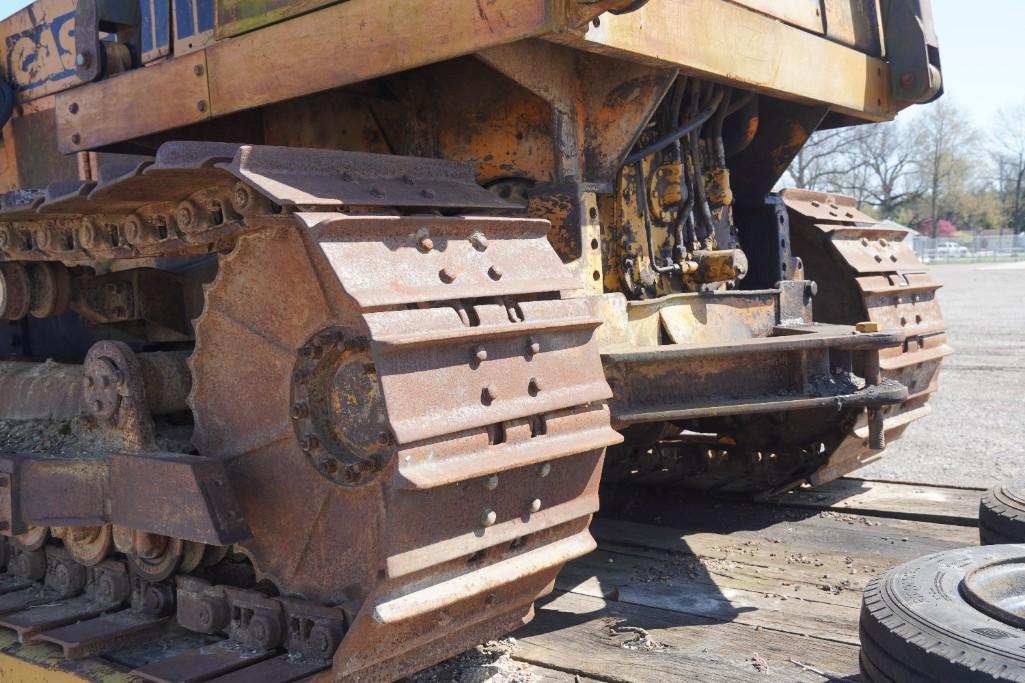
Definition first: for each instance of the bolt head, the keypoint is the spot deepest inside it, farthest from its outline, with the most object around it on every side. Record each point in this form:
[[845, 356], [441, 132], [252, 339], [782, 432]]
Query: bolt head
[[479, 241], [185, 216], [480, 353], [489, 393], [491, 483], [447, 274], [488, 518], [545, 470], [201, 105], [496, 272], [424, 244], [73, 107], [535, 505], [82, 59], [241, 197], [533, 346], [534, 386]]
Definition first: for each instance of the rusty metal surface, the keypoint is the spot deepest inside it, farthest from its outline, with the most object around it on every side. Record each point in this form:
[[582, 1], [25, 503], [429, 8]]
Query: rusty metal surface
[[527, 424], [794, 369], [40, 390], [183, 202], [870, 273], [177, 495], [200, 664], [92, 637], [326, 178]]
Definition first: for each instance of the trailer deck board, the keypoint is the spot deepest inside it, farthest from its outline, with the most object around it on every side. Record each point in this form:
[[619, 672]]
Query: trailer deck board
[[925, 502], [585, 635], [738, 591]]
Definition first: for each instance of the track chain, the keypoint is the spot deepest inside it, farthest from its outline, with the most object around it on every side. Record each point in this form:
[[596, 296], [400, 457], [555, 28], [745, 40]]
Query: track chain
[[468, 479], [869, 272]]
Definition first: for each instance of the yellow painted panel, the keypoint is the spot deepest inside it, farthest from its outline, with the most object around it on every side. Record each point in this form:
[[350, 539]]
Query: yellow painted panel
[[804, 13], [725, 41], [38, 55], [238, 16], [357, 40]]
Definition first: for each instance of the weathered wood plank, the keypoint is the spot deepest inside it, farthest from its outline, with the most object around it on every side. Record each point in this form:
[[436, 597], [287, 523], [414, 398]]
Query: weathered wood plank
[[492, 662], [578, 633], [941, 504], [775, 605], [878, 543], [773, 567]]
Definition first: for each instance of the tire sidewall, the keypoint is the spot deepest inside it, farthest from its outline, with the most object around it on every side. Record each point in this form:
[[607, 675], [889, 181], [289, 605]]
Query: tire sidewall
[[917, 616]]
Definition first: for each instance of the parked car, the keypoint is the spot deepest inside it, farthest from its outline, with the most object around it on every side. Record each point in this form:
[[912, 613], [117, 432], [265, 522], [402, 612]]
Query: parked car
[[951, 250]]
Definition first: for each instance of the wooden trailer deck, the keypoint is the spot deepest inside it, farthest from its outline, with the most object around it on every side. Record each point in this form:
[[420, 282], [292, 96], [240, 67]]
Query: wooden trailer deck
[[699, 590], [690, 589]]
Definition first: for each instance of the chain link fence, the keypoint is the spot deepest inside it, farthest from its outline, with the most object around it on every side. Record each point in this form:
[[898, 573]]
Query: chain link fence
[[1004, 247]]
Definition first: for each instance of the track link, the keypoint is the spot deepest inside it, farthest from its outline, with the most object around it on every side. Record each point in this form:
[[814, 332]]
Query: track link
[[411, 418]]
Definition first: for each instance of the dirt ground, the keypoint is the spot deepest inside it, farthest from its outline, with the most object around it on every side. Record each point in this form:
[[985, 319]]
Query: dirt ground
[[976, 433]]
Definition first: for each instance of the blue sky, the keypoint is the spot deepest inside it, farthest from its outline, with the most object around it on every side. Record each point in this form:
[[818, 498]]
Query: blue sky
[[981, 47], [982, 51]]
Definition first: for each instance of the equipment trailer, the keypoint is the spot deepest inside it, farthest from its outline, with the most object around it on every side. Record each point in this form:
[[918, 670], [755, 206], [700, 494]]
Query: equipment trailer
[[323, 314]]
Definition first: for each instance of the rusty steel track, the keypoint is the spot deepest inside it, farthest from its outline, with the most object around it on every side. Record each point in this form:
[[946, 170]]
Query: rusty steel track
[[410, 418], [866, 275], [869, 272]]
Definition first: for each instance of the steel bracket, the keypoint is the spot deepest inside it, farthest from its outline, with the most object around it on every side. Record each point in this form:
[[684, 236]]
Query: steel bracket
[[172, 494], [912, 51], [93, 18]]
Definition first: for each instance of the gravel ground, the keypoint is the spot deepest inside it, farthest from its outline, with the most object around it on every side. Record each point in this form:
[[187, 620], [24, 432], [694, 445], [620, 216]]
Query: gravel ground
[[976, 433]]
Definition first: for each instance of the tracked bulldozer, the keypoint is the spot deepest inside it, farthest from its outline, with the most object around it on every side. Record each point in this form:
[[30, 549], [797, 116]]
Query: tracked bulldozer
[[321, 318]]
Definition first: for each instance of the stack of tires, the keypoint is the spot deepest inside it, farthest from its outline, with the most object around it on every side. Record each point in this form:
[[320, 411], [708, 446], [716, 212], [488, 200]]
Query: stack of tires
[[957, 615]]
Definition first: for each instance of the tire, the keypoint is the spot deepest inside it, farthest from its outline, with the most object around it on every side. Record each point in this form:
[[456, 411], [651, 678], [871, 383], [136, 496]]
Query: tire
[[1002, 514], [918, 627]]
